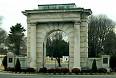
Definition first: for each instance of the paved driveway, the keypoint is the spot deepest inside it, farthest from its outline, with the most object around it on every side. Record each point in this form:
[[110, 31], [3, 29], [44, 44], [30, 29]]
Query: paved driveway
[[13, 75]]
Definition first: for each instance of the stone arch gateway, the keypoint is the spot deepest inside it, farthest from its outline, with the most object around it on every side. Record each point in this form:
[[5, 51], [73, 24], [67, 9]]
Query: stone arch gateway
[[64, 17]]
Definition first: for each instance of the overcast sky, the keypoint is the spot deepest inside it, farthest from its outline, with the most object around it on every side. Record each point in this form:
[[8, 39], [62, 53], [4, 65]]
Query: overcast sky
[[11, 9]]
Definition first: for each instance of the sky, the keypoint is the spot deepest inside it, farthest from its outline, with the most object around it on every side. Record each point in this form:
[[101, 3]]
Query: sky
[[11, 10]]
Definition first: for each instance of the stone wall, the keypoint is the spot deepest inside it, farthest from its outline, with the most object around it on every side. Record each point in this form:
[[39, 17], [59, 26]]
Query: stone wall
[[11, 60], [100, 62], [23, 61]]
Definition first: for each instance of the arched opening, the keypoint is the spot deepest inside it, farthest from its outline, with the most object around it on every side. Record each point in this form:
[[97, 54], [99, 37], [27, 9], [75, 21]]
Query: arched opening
[[57, 49]]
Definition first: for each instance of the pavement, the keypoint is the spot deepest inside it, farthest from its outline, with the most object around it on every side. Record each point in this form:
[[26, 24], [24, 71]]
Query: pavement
[[54, 76], [36, 75]]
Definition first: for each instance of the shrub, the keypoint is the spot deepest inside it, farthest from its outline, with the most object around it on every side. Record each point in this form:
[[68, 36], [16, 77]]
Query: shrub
[[102, 70], [85, 70], [57, 70], [64, 70], [76, 70], [4, 62], [52, 70], [43, 70], [30, 70], [10, 69], [24, 70], [17, 66], [94, 67]]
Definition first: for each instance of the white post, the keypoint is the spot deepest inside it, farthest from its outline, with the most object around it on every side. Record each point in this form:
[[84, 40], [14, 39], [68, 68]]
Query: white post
[[76, 45], [33, 46]]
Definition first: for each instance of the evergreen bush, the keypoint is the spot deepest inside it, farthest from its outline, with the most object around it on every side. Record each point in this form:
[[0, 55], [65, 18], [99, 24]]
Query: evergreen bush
[[17, 66], [4, 62], [94, 67]]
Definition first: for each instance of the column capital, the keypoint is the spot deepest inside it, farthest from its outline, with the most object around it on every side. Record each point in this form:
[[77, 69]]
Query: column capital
[[77, 22]]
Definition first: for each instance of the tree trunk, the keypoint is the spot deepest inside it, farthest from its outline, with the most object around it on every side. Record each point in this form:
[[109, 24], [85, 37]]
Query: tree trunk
[[18, 46], [58, 60]]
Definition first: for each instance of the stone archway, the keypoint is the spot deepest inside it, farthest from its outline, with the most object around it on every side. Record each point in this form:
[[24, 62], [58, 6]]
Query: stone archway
[[49, 58], [44, 29], [70, 19], [66, 27]]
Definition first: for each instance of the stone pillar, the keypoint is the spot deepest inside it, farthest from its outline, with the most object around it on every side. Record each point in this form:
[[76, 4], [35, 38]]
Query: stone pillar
[[33, 46], [76, 45], [84, 41]]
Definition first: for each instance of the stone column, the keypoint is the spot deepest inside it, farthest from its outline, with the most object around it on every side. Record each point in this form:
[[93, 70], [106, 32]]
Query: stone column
[[33, 46], [76, 45], [84, 41]]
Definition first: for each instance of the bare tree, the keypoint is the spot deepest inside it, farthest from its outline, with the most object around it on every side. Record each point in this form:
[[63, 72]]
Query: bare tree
[[98, 28], [3, 36]]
